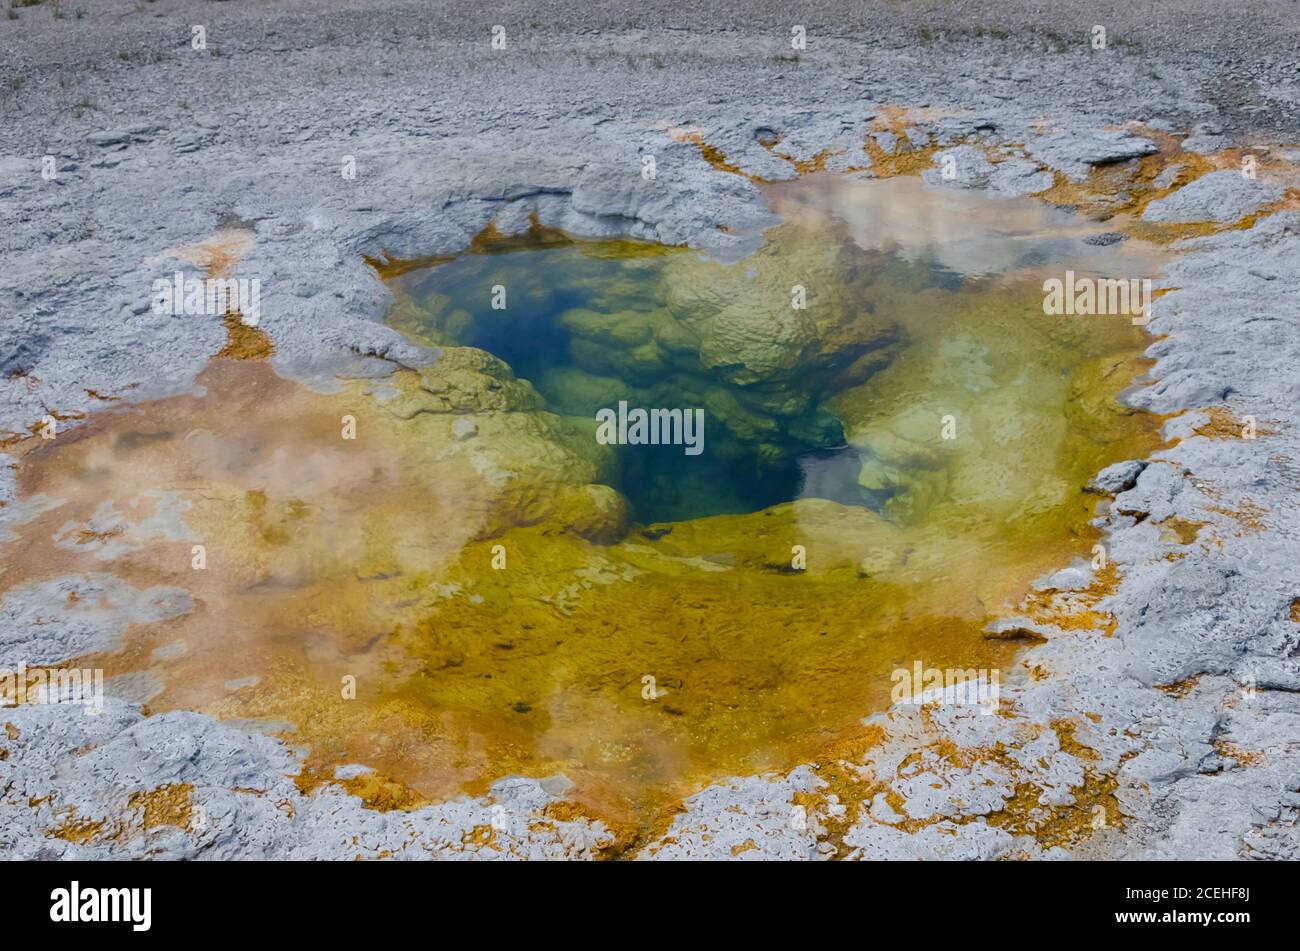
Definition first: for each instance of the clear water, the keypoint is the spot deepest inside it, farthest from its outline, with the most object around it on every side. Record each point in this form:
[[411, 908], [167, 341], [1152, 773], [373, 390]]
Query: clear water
[[549, 289], [585, 323]]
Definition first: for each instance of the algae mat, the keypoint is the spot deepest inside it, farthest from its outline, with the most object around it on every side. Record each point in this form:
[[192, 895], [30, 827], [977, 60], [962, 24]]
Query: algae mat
[[445, 576]]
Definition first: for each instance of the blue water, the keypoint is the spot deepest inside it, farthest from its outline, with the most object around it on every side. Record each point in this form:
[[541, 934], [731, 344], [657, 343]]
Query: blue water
[[753, 457]]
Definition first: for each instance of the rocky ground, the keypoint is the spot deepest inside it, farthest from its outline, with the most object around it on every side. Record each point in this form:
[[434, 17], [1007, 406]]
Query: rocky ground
[[1189, 741]]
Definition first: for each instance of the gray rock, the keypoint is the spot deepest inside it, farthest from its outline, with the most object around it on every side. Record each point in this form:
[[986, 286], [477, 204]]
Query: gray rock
[[961, 167], [1205, 144], [49, 622], [1015, 178], [1116, 478], [106, 138], [1206, 138], [1104, 239], [1076, 152], [966, 167], [1168, 176], [1216, 196]]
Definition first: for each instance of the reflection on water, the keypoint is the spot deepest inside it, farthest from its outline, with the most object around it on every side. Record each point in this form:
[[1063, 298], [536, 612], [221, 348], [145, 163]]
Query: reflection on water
[[833, 474], [965, 233], [465, 561]]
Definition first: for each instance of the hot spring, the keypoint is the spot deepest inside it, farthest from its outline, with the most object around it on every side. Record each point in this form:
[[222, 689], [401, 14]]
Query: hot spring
[[895, 442]]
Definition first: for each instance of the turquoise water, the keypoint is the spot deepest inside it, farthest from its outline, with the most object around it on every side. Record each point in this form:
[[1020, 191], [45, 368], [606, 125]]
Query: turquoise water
[[556, 332], [928, 289]]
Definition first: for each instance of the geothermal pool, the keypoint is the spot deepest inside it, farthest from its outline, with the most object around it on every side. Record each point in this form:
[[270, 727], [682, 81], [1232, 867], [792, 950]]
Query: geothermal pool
[[476, 586]]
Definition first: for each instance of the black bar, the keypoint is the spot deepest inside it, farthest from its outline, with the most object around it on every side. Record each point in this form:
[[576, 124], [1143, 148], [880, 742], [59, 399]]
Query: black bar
[[940, 902]]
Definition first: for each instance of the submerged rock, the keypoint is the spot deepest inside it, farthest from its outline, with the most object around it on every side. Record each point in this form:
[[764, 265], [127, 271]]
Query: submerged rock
[[752, 323], [532, 465], [757, 346], [1105, 238], [595, 512], [465, 380]]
